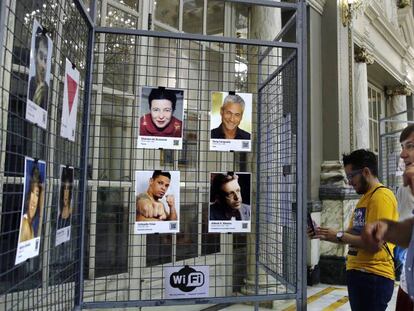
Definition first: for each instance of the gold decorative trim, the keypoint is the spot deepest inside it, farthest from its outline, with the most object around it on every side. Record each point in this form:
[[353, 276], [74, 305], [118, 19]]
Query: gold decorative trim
[[363, 56], [398, 90], [403, 3]]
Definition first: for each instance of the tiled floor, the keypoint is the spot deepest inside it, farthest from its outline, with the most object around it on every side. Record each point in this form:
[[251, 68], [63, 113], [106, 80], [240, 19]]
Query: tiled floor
[[320, 298], [328, 297]]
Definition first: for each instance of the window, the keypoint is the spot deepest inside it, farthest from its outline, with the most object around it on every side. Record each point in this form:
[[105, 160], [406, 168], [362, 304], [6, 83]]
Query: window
[[376, 110]]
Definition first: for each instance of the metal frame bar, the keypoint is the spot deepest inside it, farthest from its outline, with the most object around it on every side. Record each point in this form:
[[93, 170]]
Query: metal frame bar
[[301, 182], [288, 285], [2, 29], [278, 70], [172, 302], [269, 3], [198, 37], [83, 11], [258, 163], [279, 36], [83, 180], [391, 118]]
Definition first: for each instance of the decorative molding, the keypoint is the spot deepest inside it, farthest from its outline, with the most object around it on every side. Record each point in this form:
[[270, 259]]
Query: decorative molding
[[406, 22], [363, 39], [317, 5], [403, 3], [334, 185], [380, 22], [336, 193], [332, 173], [363, 56], [398, 90]]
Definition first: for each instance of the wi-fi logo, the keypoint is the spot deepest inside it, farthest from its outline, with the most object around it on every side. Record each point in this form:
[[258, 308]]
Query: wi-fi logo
[[187, 279]]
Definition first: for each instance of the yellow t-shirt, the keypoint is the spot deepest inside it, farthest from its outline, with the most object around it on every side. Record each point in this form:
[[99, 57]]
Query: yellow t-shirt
[[372, 206]]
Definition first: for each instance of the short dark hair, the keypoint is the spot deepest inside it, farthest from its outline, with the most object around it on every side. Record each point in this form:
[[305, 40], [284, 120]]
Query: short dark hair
[[218, 181], [66, 182], [160, 173], [362, 158], [406, 132], [162, 93]]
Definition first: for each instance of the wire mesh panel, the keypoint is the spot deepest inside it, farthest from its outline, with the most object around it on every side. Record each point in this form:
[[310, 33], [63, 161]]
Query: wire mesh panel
[[391, 165], [127, 269], [46, 281], [276, 227]]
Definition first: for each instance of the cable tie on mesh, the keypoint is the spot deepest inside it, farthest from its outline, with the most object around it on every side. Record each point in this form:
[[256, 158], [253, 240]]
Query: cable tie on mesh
[[162, 88], [160, 148], [73, 65], [232, 93], [231, 150], [44, 31], [230, 173], [35, 160]]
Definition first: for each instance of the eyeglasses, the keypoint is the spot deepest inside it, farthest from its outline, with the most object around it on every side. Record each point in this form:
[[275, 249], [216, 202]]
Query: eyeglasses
[[409, 146], [353, 174]]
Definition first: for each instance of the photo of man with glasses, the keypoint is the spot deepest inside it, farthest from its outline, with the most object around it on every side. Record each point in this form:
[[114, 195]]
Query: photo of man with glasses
[[370, 275]]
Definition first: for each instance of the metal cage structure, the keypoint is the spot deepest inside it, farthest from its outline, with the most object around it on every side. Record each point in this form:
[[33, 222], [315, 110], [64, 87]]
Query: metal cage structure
[[390, 163], [106, 264]]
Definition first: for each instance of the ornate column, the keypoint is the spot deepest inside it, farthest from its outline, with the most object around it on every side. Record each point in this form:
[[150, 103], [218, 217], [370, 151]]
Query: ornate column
[[338, 200], [361, 114], [397, 103]]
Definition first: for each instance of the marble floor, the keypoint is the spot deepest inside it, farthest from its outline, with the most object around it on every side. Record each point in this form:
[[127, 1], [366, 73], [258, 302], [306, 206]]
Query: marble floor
[[321, 297]]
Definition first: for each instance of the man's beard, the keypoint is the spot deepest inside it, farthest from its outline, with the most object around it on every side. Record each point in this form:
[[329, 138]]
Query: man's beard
[[364, 185]]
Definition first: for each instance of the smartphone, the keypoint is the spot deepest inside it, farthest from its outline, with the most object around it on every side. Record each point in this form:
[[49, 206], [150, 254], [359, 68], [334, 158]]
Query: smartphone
[[310, 223]]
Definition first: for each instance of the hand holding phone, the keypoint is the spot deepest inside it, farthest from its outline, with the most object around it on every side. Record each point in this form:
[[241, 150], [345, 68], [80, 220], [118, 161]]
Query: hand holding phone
[[311, 226]]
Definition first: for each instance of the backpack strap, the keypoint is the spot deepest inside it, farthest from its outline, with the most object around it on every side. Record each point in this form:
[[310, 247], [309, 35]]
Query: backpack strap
[[377, 189], [387, 249]]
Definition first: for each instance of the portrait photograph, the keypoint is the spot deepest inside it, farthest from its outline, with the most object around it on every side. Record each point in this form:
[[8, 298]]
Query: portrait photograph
[[231, 121], [70, 102], [161, 118], [157, 202], [230, 202], [39, 76], [32, 209], [65, 204]]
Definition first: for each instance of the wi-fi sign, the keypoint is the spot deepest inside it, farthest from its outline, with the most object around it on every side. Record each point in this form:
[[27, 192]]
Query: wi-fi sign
[[182, 282]]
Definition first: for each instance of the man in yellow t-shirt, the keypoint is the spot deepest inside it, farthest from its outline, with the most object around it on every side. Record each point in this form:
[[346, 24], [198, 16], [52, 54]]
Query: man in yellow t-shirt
[[370, 276]]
